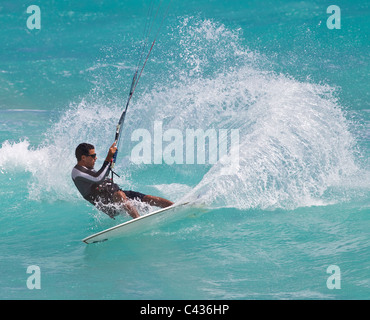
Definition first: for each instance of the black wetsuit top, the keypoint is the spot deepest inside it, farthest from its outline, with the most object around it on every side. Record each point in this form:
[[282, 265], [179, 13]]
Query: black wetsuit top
[[98, 189], [88, 180]]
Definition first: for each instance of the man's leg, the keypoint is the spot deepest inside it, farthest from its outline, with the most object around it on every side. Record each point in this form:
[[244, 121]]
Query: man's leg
[[120, 197], [157, 201]]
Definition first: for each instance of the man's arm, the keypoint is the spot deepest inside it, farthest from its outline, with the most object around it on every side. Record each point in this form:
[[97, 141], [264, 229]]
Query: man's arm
[[84, 174]]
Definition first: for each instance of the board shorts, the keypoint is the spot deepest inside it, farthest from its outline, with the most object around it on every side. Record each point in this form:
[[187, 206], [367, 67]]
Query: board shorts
[[102, 197]]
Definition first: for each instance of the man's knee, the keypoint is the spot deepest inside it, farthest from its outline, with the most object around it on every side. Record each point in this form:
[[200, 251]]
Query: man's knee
[[119, 196]]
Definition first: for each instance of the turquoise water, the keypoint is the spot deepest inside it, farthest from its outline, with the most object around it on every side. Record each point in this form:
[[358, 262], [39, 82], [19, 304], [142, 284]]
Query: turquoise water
[[297, 203]]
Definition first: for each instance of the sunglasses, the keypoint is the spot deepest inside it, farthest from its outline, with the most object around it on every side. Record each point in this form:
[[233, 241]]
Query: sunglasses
[[91, 155]]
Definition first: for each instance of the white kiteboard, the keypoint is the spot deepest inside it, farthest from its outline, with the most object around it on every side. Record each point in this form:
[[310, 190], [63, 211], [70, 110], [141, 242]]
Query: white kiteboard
[[142, 223]]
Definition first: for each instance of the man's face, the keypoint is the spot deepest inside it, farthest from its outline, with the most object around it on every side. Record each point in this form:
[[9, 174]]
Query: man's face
[[89, 161]]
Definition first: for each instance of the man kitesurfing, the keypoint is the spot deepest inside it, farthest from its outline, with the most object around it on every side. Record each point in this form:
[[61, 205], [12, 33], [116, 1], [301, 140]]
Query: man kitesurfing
[[95, 186], [101, 191]]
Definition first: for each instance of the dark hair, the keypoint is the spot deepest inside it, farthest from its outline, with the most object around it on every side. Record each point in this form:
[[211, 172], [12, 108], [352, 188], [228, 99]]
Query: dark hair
[[83, 150]]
